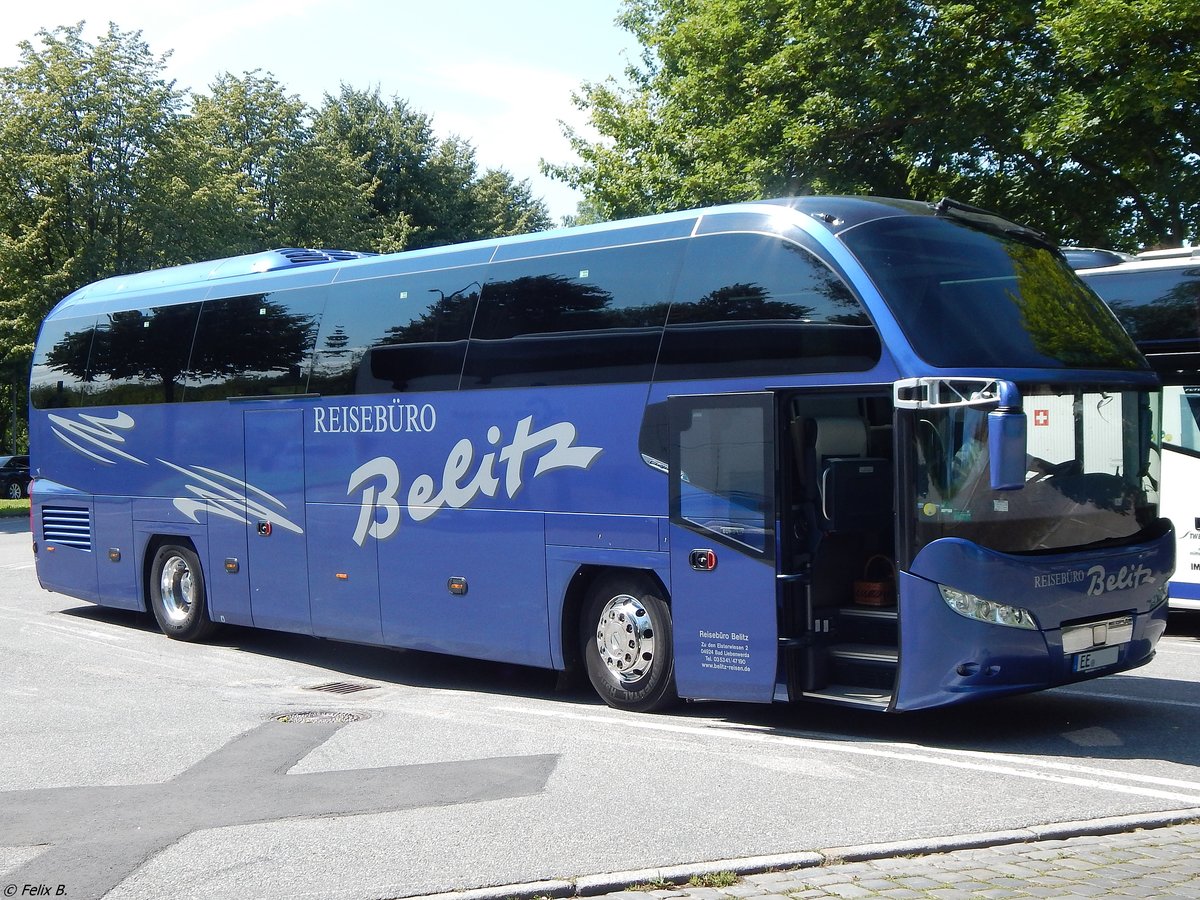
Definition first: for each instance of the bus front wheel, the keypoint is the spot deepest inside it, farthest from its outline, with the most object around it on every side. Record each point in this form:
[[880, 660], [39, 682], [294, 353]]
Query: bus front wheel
[[626, 642], [177, 594]]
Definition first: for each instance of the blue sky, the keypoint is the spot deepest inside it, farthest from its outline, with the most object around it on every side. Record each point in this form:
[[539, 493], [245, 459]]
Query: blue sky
[[497, 73]]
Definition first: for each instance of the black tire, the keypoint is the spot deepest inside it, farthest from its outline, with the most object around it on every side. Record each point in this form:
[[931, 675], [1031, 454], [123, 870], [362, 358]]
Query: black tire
[[14, 491], [625, 638], [177, 594]]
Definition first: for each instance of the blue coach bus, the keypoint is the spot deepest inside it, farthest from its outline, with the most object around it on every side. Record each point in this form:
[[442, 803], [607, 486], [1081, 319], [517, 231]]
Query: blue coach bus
[[876, 453]]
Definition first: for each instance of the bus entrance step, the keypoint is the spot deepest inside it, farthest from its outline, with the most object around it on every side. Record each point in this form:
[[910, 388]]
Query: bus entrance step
[[868, 625], [852, 694], [869, 612], [866, 653]]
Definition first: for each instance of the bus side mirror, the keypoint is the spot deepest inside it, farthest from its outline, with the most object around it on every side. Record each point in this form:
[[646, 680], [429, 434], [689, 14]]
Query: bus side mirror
[[1006, 447]]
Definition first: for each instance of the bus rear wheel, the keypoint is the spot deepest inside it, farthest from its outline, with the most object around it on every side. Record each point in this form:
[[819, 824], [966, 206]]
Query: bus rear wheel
[[177, 594], [626, 642]]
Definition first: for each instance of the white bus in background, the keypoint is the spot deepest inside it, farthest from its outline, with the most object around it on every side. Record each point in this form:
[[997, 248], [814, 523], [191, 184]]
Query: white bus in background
[[1156, 295]]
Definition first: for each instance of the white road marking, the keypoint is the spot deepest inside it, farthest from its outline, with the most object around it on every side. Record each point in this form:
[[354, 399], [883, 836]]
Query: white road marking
[[1178, 648], [971, 760]]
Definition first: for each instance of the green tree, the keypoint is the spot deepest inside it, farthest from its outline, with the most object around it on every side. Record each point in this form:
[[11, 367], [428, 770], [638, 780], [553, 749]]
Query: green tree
[[296, 188], [1080, 116], [13, 398], [425, 191], [200, 209], [78, 124], [505, 206], [1127, 112], [395, 146]]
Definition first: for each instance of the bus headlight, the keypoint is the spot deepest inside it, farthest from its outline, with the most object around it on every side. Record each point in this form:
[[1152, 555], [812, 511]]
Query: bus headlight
[[981, 610]]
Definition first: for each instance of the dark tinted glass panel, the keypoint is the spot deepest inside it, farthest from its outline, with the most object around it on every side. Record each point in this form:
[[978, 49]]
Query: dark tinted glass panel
[[654, 437], [969, 297], [1154, 304], [1187, 402], [140, 355], [750, 305], [400, 333], [576, 318], [254, 345], [722, 483], [60, 363]]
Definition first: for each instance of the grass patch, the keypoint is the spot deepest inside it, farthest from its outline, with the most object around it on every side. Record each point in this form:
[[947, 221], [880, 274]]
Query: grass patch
[[14, 508], [713, 880]]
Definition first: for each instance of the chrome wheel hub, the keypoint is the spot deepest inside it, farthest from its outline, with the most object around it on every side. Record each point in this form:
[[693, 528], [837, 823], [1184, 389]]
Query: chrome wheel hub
[[625, 638], [176, 589]]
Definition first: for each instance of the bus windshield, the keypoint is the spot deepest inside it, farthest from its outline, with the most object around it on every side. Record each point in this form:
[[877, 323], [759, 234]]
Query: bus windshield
[[1093, 469], [967, 296]]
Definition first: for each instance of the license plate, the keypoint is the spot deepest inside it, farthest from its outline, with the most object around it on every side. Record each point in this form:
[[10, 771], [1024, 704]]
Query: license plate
[[1096, 659]]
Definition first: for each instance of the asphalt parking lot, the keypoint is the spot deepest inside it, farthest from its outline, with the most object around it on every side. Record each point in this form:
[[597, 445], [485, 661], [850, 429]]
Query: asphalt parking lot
[[276, 766]]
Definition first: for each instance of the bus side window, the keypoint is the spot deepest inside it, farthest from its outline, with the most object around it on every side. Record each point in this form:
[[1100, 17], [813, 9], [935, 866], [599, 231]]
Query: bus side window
[[403, 332], [1153, 305], [141, 356], [752, 305], [592, 317], [60, 367], [1186, 403], [254, 345]]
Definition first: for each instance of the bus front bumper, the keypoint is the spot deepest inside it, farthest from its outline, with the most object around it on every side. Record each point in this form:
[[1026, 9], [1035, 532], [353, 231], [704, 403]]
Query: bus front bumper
[[1093, 614]]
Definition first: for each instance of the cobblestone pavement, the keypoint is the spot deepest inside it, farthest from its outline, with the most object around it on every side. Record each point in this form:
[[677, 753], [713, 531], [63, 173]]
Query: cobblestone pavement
[[1123, 857], [1163, 862]]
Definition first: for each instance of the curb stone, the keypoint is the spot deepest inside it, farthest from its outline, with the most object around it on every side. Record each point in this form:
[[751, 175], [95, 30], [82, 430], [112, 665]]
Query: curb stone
[[613, 882], [591, 885], [524, 891]]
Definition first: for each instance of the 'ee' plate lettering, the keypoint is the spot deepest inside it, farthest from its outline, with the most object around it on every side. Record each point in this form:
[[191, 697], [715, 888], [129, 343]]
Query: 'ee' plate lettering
[[1096, 659]]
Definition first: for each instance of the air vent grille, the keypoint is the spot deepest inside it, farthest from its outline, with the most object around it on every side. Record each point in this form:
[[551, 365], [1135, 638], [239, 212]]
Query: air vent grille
[[70, 526], [300, 256]]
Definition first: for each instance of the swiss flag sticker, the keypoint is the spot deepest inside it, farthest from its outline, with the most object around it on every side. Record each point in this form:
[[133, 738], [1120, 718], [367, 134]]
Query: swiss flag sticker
[[1041, 417]]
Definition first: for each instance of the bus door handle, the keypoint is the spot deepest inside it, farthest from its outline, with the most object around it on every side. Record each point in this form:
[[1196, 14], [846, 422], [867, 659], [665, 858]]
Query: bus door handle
[[263, 529]]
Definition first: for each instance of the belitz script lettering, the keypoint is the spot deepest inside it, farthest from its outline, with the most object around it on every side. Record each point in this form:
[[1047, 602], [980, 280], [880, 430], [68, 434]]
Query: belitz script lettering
[[462, 480], [1126, 577]]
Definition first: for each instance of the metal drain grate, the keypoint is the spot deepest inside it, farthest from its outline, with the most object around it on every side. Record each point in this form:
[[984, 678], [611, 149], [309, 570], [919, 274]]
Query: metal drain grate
[[342, 687], [319, 717]]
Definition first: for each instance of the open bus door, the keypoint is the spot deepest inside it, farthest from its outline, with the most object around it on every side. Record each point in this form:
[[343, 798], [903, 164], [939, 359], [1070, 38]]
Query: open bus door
[[723, 553]]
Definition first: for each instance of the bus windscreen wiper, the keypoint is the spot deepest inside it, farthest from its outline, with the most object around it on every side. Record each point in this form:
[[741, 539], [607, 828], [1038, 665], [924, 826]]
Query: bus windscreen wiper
[[991, 222]]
